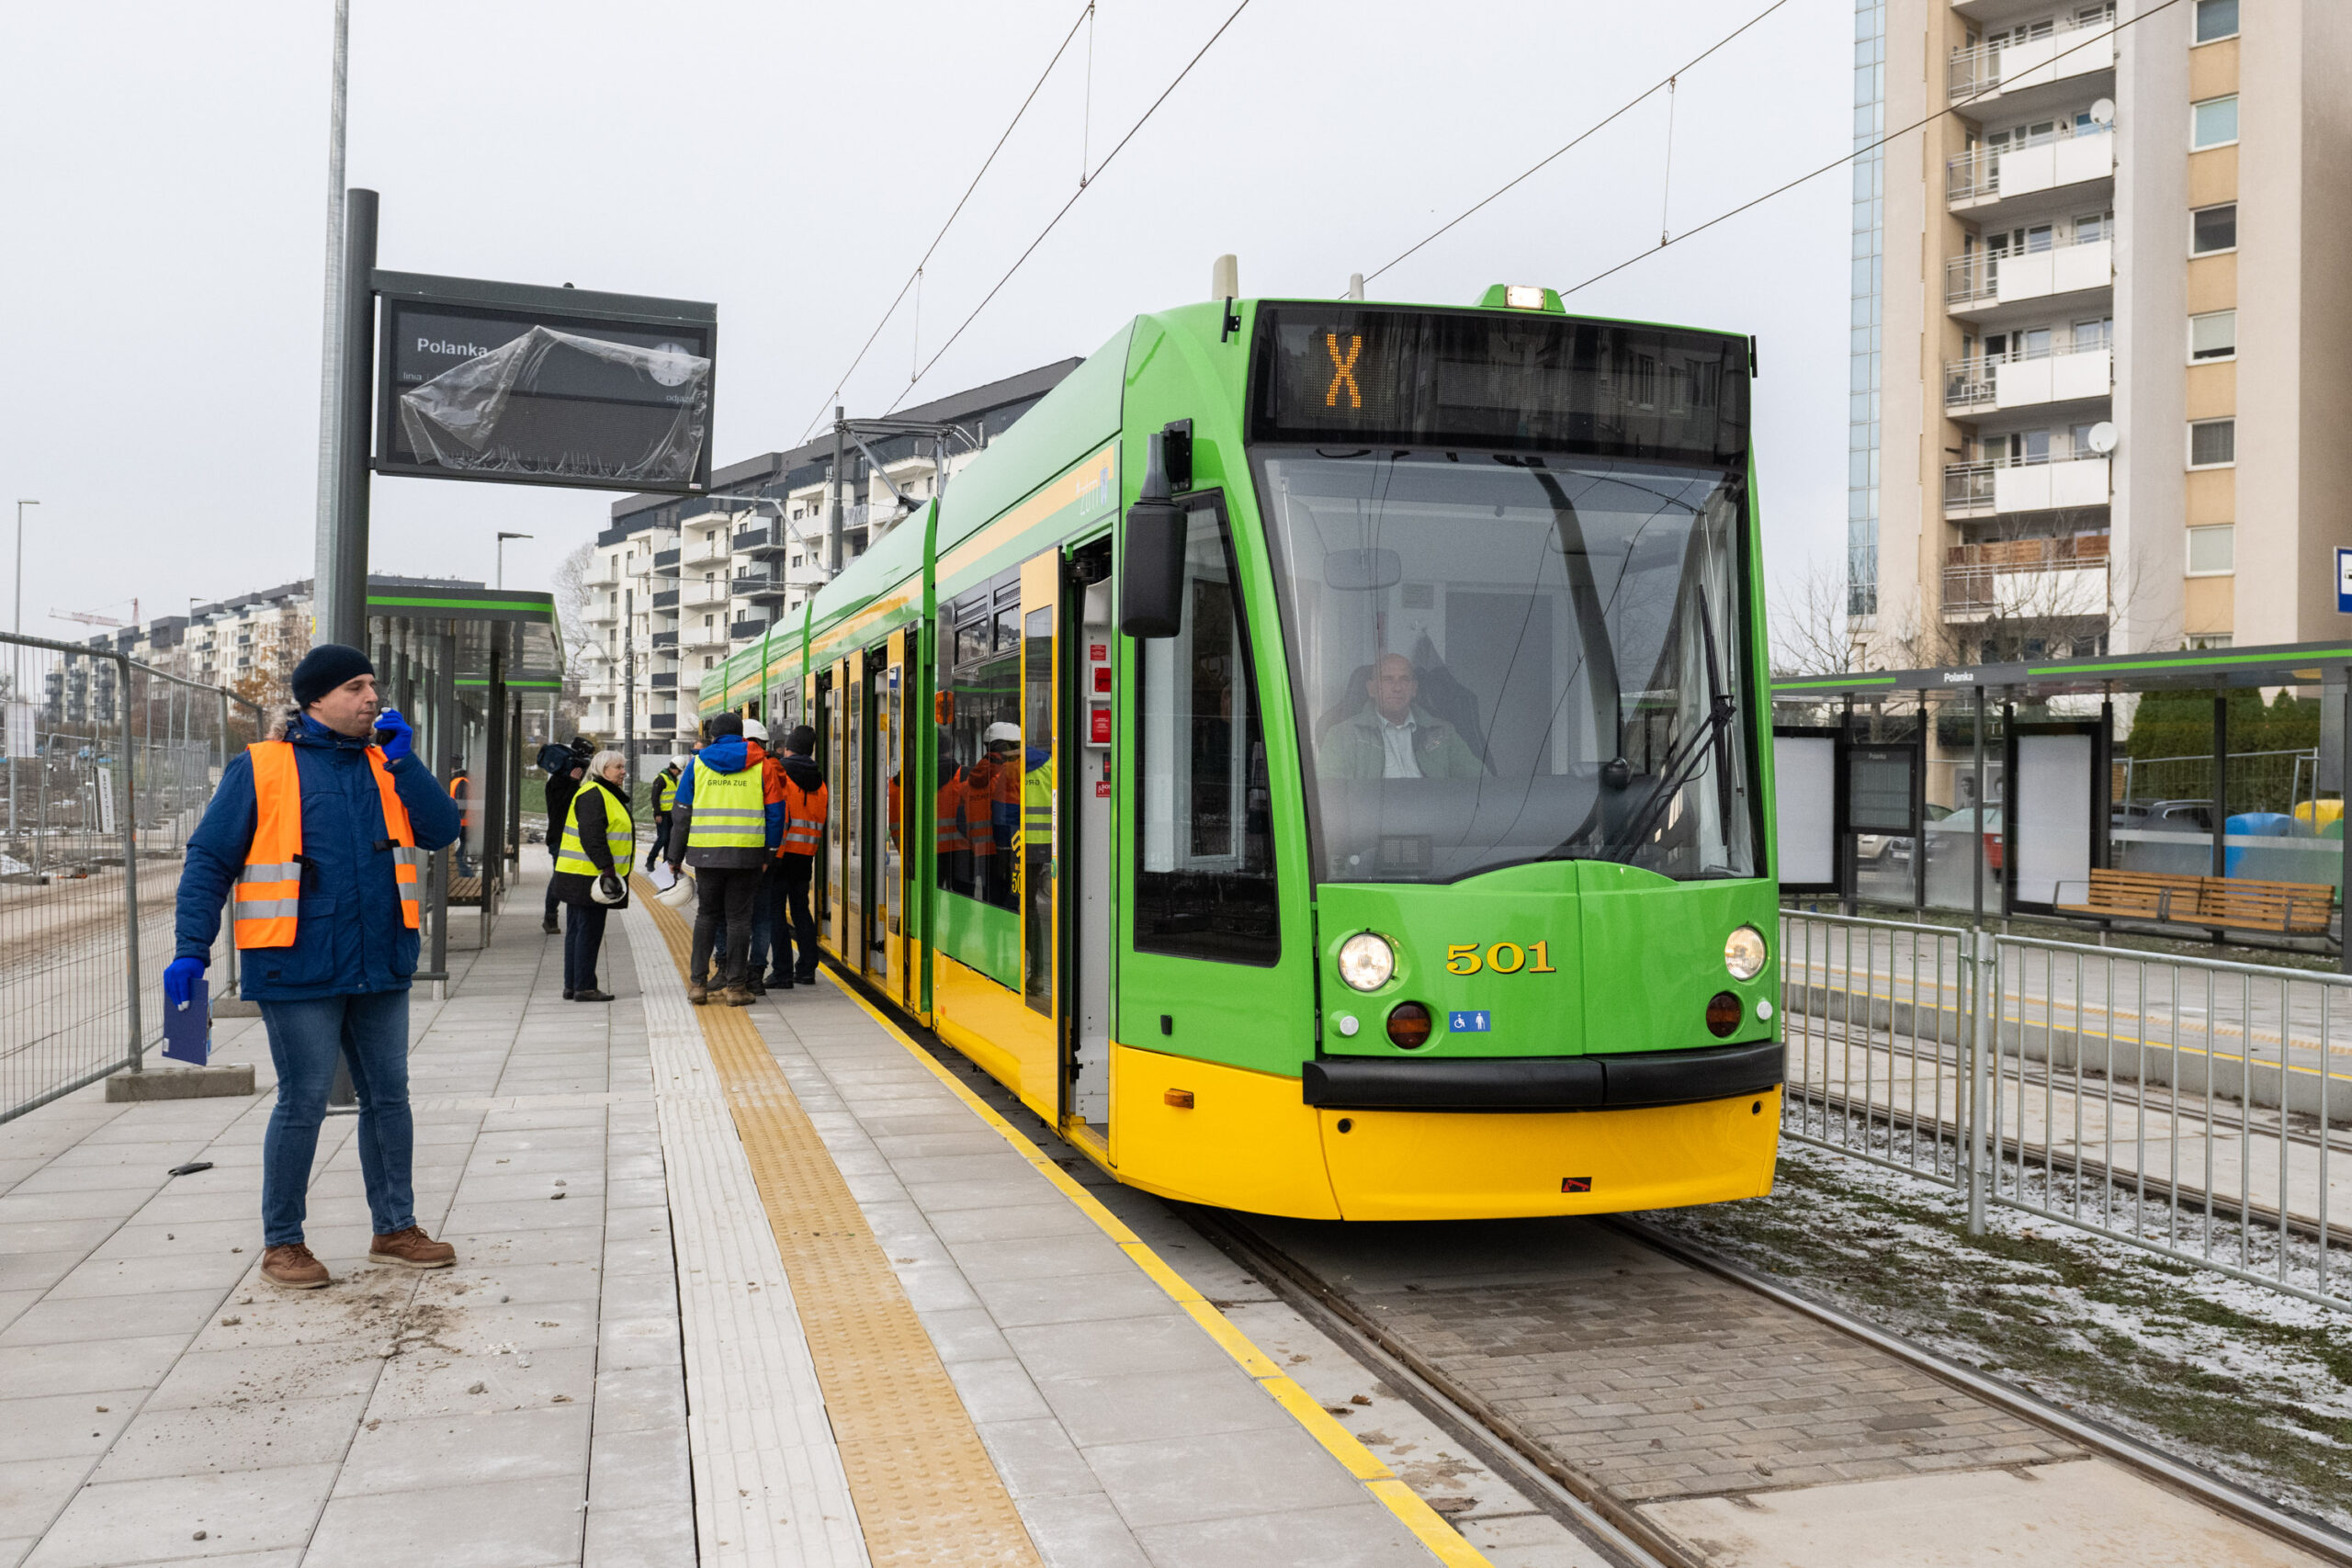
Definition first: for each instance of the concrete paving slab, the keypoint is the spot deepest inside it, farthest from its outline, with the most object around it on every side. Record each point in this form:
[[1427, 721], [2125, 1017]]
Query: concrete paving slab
[[535, 1523], [210, 1440], [137, 1521], [429, 1453]]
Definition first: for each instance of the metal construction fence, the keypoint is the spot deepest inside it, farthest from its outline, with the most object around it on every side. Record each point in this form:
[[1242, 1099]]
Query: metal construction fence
[[107, 767], [2188, 1106]]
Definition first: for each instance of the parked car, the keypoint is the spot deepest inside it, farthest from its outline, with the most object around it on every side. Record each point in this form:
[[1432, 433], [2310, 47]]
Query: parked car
[[1949, 835], [1881, 850], [2164, 816]]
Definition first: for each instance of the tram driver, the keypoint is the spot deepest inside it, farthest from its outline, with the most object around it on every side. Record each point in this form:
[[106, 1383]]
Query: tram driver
[[1393, 736]]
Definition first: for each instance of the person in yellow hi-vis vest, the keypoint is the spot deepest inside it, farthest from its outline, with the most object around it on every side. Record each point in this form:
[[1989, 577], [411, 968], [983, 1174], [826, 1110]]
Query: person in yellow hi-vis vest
[[665, 795], [723, 825], [591, 864]]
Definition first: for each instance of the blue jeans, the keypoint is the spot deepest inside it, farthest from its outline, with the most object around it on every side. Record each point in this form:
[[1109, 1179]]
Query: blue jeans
[[370, 1033]]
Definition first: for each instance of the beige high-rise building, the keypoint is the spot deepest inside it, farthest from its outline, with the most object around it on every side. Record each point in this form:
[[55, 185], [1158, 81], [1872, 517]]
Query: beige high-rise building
[[2114, 323]]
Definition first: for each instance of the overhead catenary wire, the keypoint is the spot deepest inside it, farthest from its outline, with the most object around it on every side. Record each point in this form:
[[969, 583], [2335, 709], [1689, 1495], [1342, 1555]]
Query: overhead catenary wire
[[1665, 83], [913, 277], [1842, 162], [1064, 210]]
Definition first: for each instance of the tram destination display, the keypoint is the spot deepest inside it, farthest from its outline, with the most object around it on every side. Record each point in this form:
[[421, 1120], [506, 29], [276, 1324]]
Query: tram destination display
[[543, 386], [1332, 373]]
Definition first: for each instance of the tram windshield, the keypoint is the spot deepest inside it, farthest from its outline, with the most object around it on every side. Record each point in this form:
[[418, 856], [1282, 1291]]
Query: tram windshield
[[1506, 657]]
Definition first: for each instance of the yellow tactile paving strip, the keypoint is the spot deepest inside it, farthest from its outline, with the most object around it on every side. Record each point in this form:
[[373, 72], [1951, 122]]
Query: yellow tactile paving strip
[[1429, 1526], [925, 1490]]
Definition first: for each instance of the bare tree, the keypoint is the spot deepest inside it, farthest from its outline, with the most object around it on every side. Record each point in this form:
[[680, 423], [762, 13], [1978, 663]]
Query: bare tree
[[571, 605], [1807, 620]]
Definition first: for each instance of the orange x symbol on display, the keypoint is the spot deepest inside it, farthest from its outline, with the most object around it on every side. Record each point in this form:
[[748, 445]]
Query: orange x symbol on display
[[1343, 371]]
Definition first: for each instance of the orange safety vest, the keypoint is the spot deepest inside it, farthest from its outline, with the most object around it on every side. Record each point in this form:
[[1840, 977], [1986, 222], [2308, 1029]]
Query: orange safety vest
[[804, 819], [269, 890], [979, 786], [461, 789], [951, 814]]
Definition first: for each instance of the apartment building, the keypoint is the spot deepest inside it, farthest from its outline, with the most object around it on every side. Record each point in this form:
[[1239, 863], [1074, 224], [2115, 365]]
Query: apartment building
[[2107, 301], [678, 584]]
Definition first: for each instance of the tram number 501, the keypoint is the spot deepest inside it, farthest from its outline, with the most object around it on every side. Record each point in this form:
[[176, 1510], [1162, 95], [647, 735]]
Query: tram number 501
[[1503, 958]]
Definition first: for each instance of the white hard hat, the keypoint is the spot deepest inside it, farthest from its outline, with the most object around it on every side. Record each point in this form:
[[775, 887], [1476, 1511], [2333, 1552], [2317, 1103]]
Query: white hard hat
[[679, 893], [754, 730], [1008, 733]]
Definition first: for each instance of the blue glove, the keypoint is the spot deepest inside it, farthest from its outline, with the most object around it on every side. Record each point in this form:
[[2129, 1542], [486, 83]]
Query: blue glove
[[179, 980], [400, 740]]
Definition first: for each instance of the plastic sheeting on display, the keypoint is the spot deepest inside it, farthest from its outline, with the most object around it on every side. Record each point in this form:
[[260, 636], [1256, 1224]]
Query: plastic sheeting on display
[[653, 411]]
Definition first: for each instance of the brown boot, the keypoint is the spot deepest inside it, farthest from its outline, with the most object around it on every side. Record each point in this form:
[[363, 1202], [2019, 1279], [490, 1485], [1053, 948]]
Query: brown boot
[[738, 997], [412, 1248], [697, 993], [293, 1267]]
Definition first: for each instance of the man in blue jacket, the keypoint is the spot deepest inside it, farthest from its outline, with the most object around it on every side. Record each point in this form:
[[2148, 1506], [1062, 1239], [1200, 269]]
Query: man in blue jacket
[[726, 822], [330, 964]]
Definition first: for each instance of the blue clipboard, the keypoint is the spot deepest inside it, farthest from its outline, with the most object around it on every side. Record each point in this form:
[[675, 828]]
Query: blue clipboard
[[188, 1031]]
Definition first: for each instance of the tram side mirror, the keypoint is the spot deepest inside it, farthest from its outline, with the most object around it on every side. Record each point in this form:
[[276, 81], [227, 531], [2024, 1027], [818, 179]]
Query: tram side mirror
[[1151, 579], [1363, 570]]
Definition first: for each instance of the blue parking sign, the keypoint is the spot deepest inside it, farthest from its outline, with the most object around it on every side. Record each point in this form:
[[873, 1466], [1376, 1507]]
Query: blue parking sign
[[1479, 1022], [2343, 582]]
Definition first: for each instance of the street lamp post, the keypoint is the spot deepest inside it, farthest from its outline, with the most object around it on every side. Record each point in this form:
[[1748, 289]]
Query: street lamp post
[[502, 537]]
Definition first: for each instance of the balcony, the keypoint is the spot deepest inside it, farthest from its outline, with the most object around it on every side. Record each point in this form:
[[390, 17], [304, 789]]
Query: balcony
[[667, 599], [663, 680], [1981, 281], [1984, 386], [764, 541], [661, 720], [1991, 489], [665, 639], [700, 636], [809, 574], [2073, 49], [743, 631], [2042, 579], [759, 585], [665, 560], [703, 595], [701, 551], [1986, 175], [603, 609], [604, 571]]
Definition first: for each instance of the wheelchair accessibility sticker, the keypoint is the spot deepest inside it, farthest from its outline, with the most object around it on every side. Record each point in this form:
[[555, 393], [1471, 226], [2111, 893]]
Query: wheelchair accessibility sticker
[[1479, 1022]]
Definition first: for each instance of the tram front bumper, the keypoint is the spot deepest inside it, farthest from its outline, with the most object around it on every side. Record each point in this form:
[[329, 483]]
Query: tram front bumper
[[1543, 1083]]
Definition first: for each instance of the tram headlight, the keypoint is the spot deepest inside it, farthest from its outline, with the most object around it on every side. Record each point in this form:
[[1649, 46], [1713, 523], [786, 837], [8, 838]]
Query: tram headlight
[[1366, 961], [1744, 953]]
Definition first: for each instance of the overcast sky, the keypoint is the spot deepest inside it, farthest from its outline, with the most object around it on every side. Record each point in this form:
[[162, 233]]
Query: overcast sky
[[163, 211]]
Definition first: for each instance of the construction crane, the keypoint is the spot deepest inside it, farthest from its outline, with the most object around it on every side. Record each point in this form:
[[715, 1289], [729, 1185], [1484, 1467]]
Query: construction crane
[[87, 619]]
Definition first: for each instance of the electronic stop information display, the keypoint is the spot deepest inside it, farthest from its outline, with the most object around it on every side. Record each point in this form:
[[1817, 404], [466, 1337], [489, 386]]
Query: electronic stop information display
[[1326, 374], [483, 380]]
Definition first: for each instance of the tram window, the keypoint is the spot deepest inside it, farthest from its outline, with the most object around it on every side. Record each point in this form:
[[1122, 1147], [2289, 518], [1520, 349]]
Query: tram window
[[978, 802], [1206, 882]]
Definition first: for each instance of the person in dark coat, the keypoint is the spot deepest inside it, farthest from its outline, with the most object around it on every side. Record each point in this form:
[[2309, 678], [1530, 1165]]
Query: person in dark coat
[[592, 853], [335, 984], [560, 786]]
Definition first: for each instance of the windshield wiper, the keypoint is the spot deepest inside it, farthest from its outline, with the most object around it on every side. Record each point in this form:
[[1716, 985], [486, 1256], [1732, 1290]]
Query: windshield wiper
[[1711, 739]]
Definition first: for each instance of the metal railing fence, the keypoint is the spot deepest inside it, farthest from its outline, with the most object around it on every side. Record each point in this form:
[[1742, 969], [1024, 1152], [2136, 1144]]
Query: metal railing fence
[[2185, 1107], [105, 767]]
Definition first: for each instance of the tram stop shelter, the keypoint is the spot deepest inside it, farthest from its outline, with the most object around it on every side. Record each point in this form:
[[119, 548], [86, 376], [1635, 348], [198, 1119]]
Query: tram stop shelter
[[2197, 793], [463, 664]]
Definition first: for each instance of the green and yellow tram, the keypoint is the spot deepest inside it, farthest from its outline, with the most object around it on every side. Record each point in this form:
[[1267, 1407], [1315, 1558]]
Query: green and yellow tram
[[1316, 760]]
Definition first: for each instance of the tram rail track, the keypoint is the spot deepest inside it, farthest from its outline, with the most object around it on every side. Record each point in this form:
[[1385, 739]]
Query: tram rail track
[[1613, 1523]]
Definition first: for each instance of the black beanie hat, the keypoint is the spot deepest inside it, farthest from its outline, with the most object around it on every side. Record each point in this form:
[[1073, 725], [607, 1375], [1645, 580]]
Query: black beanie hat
[[324, 668], [802, 741], [717, 727]]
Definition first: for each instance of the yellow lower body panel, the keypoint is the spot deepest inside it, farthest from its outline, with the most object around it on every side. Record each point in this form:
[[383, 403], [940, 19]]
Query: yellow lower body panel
[[1001, 1033], [1434, 1165], [1246, 1141]]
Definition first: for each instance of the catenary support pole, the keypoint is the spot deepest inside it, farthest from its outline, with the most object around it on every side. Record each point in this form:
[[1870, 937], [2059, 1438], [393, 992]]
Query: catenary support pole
[[340, 594], [836, 483], [330, 325]]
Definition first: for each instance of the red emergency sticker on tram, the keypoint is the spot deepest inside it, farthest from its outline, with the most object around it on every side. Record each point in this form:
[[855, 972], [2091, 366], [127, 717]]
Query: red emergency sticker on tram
[[1575, 1184], [1098, 726]]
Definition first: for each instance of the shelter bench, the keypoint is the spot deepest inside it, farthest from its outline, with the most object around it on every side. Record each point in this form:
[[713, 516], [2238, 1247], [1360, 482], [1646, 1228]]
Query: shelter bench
[[2216, 903]]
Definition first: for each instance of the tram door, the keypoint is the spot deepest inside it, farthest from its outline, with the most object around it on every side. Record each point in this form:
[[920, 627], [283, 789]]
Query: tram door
[[811, 685], [892, 725], [835, 695], [857, 830], [1039, 865], [1087, 718]]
